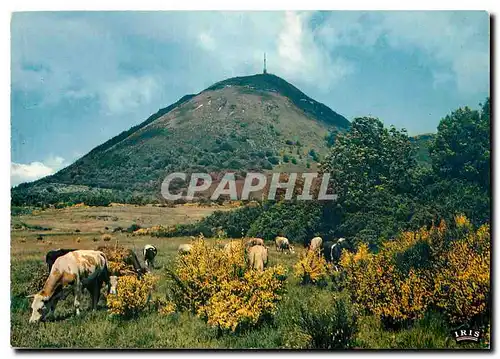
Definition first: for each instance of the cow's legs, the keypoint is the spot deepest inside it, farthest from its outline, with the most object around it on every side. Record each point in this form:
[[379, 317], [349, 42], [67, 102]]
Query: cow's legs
[[53, 302], [96, 293], [78, 292]]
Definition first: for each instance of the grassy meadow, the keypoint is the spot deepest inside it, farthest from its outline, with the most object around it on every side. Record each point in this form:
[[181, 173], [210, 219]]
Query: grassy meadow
[[82, 227]]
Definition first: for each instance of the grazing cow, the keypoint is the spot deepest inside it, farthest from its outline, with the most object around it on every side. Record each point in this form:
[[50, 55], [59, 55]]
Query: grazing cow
[[80, 268], [333, 250], [149, 253], [51, 256], [283, 245], [254, 242], [316, 244], [185, 248], [257, 257], [132, 260]]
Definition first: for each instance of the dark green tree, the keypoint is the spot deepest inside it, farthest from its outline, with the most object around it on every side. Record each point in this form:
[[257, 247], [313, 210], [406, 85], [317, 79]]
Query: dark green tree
[[372, 169], [370, 158], [461, 149]]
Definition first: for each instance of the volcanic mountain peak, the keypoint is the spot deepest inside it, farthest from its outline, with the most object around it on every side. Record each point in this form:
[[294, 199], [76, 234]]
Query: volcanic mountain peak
[[258, 122], [272, 83]]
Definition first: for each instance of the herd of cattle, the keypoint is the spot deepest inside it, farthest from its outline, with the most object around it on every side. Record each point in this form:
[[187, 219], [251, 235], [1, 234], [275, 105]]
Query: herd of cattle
[[88, 269]]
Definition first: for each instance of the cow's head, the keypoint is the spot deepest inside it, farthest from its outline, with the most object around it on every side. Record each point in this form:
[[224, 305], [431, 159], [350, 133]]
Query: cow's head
[[292, 250], [39, 307], [113, 280]]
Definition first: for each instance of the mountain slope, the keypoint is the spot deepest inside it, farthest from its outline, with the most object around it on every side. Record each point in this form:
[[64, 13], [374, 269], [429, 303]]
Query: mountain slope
[[244, 123]]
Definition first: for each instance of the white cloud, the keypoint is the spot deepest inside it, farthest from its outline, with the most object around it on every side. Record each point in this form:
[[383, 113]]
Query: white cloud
[[206, 41], [455, 40], [454, 45], [122, 96], [20, 172], [80, 56], [91, 49], [442, 78], [303, 58]]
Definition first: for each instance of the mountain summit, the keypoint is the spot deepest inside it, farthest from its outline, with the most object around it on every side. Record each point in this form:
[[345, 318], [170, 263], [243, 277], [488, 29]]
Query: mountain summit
[[242, 123]]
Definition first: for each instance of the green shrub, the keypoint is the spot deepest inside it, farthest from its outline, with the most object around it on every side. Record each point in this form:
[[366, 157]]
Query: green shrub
[[323, 320], [266, 165], [236, 223], [132, 228], [274, 160], [295, 220]]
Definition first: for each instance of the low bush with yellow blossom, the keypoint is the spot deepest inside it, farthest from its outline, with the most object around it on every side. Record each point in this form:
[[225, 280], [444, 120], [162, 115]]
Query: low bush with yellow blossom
[[162, 306], [442, 267], [312, 268], [462, 286], [151, 231], [198, 275], [116, 257], [216, 285], [243, 302], [132, 296]]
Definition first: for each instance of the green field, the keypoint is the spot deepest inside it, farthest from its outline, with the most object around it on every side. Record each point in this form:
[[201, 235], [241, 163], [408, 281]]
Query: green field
[[180, 330]]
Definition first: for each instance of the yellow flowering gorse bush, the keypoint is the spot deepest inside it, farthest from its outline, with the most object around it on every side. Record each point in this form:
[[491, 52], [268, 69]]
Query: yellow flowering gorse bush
[[312, 268], [375, 282], [115, 256], [150, 231], [462, 286], [447, 268], [242, 302], [217, 286], [132, 296]]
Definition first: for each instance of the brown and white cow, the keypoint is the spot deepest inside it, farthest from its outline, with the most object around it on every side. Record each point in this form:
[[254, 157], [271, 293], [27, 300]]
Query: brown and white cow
[[283, 245], [82, 269], [257, 257]]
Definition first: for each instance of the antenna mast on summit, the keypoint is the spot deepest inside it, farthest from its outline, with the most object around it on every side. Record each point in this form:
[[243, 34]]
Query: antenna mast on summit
[[265, 70]]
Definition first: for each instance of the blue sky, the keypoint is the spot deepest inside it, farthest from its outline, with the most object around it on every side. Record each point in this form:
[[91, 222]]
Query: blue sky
[[79, 78]]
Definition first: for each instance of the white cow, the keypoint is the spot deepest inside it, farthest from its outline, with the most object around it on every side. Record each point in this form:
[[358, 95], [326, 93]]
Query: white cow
[[257, 257], [185, 248], [316, 244], [283, 245]]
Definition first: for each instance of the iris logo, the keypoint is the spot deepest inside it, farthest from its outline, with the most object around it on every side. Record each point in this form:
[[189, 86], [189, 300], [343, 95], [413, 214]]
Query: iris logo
[[467, 335]]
